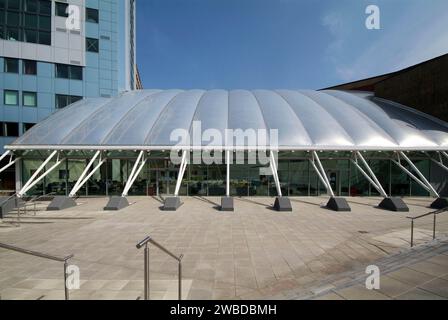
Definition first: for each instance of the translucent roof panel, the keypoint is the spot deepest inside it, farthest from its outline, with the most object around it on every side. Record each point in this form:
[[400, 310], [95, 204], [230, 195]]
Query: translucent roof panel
[[212, 115], [135, 126], [95, 128], [176, 116], [55, 128], [304, 119], [278, 114]]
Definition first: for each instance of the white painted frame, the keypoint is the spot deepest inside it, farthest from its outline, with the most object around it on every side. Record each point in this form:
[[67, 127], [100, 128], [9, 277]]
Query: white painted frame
[[372, 177], [321, 173]]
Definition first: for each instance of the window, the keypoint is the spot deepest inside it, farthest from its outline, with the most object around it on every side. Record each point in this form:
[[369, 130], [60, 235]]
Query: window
[[29, 99], [10, 129], [29, 67], [92, 15], [13, 5], [68, 72], [62, 71], [11, 97], [30, 36], [31, 21], [27, 126], [74, 99], [92, 45], [45, 38], [11, 65], [31, 6], [61, 9], [75, 73], [64, 174], [26, 20], [45, 7], [12, 34], [12, 18], [64, 100]]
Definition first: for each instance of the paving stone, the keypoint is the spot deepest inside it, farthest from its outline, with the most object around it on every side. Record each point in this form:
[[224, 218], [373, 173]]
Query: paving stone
[[419, 294], [361, 293], [437, 286], [330, 296], [410, 276], [429, 268], [392, 287], [254, 252]]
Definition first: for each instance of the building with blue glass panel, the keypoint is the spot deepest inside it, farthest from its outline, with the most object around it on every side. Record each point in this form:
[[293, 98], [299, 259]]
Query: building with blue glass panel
[[54, 53]]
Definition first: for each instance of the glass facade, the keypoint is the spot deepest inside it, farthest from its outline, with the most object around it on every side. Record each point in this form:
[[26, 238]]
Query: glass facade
[[159, 177], [26, 20]]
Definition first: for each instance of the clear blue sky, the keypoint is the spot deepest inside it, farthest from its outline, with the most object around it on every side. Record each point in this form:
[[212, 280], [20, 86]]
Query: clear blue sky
[[287, 44]]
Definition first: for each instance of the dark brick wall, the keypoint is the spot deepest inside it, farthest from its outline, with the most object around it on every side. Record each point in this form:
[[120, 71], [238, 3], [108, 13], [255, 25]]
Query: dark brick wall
[[423, 87]]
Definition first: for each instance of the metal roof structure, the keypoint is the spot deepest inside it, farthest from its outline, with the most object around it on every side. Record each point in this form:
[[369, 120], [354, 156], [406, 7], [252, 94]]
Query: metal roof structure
[[305, 119]]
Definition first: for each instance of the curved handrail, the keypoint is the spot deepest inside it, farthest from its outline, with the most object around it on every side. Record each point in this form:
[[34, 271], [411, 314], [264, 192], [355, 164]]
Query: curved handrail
[[435, 213], [144, 243], [44, 256]]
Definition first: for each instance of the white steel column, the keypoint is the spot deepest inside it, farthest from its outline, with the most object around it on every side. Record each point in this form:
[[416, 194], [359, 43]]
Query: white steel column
[[228, 173], [423, 182], [81, 183], [321, 173], [34, 179], [275, 174], [182, 168], [86, 170], [138, 166], [11, 161], [5, 155], [375, 182], [438, 162]]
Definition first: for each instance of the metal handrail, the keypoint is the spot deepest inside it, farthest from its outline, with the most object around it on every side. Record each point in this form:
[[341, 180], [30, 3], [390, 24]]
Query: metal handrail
[[144, 243], [435, 213], [44, 256]]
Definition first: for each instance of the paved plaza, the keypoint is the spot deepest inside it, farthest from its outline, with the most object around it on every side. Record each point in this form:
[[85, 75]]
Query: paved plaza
[[252, 253]]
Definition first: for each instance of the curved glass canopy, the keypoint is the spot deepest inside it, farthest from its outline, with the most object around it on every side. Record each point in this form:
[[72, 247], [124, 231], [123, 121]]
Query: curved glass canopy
[[304, 120]]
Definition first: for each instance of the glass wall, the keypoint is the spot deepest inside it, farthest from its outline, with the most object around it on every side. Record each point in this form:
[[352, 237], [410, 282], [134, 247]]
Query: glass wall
[[299, 178], [159, 176]]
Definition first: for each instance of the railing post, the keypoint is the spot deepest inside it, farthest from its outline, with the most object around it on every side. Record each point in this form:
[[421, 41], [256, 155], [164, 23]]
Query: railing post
[[180, 276], [67, 294], [146, 275], [412, 233], [434, 227], [18, 215]]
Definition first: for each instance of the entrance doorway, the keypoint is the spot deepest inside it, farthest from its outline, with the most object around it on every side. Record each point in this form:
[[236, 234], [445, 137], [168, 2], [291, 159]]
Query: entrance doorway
[[162, 182]]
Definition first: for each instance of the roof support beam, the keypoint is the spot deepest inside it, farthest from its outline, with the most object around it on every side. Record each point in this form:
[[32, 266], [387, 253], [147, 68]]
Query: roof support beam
[[321, 172], [138, 166], [182, 168], [273, 164], [7, 153], [35, 179], [83, 178], [372, 178], [422, 181], [11, 161], [438, 162]]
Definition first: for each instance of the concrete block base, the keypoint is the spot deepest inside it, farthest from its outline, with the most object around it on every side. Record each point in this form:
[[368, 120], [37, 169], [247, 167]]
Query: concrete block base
[[282, 204], [61, 203], [227, 204], [394, 204], [116, 204], [172, 204], [8, 204], [440, 203], [338, 204]]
